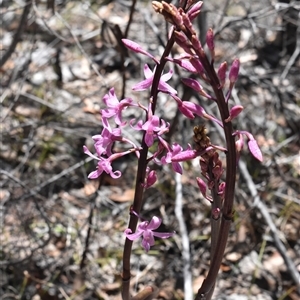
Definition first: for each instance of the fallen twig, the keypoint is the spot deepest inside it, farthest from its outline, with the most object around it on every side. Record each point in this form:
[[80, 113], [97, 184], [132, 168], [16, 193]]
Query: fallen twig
[[267, 217], [185, 251]]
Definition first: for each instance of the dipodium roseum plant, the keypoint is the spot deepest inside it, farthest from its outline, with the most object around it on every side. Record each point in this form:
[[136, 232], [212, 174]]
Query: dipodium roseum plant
[[153, 129]]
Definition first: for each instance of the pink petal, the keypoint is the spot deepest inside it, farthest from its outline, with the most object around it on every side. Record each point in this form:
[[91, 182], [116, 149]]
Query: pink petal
[[254, 149], [138, 125], [177, 167], [116, 174], [164, 87], [88, 152], [143, 85], [154, 223], [210, 39], [192, 83], [149, 139], [148, 241], [163, 235], [110, 99], [148, 237], [185, 155], [132, 236], [151, 179], [167, 76], [95, 174], [147, 71], [176, 149]]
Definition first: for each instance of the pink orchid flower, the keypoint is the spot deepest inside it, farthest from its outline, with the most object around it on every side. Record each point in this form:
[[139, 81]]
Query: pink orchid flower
[[115, 107], [145, 229], [176, 149], [147, 83], [105, 140], [104, 164], [153, 127]]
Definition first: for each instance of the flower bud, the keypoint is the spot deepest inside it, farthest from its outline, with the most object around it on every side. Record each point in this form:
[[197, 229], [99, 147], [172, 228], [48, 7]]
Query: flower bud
[[234, 72], [196, 43], [187, 23], [183, 42], [195, 85], [157, 6], [202, 186], [137, 48], [151, 179], [197, 65], [184, 62], [254, 149], [195, 10], [210, 42], [234, 112], [222, 73]]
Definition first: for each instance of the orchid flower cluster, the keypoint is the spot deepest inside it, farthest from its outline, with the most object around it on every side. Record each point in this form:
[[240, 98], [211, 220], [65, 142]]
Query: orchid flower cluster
[[153, 128]]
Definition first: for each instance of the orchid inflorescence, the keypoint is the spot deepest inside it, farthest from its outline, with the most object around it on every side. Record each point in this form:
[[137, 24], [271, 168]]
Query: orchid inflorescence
[[196, 61]]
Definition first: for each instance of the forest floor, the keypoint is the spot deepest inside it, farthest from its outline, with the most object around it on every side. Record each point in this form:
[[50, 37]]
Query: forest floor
[[61, 235]]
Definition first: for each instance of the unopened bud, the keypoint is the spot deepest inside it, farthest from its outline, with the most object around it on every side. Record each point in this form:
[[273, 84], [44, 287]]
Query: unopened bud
[[137, 48], [234, 72], [197, 65], [222, 73], [210, 42], [202, 186], [195, 10], [183, 42], [151, 179], [195, 85], [234, 112], [196, 43], [187, 23], [254, 149]]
